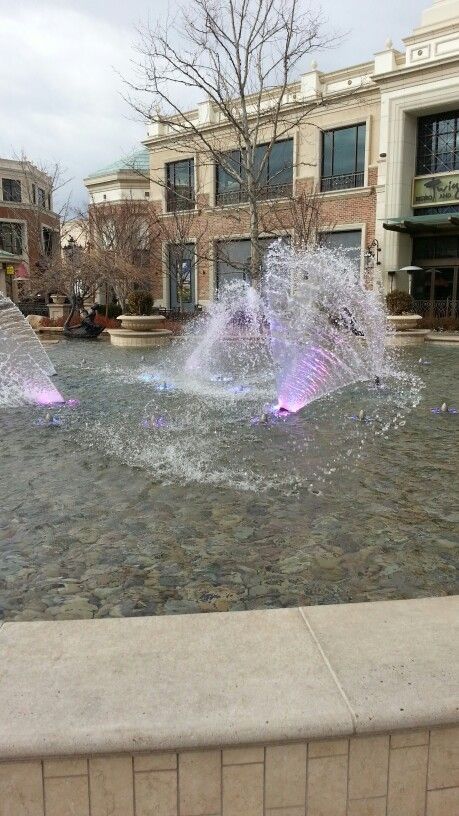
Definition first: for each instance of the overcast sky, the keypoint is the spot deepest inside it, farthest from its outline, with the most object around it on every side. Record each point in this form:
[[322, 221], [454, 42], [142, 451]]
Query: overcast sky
[[60, 90]]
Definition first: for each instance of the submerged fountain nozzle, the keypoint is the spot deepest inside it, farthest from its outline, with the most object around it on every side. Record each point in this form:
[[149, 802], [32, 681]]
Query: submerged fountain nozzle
[[361, 415], [444, 408]]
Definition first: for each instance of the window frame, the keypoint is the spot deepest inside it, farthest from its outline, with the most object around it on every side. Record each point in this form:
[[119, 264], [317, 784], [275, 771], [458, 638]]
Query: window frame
[[172, 197], [12, 199], [330, 183], [11, 248], [435, 154], [266, 192]]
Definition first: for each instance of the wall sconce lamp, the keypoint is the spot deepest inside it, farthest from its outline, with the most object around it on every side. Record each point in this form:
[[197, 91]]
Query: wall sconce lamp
[[374, 251]]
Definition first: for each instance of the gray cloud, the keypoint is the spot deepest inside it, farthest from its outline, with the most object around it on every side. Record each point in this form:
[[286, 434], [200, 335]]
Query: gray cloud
[[60, 89]]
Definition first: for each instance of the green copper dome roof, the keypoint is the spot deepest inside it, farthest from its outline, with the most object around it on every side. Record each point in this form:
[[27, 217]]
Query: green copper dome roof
[[138, 161]]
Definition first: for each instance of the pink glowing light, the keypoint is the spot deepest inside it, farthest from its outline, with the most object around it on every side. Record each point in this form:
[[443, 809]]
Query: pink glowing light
[[46, 396]]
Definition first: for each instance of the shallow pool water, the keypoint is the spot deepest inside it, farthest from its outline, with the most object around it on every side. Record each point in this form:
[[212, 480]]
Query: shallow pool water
[[149, 498]]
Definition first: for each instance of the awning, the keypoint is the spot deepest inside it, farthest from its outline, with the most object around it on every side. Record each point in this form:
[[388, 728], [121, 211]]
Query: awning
[[413, 224]]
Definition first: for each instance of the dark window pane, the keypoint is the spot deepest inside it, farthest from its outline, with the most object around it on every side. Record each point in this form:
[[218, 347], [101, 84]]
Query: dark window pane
[[281, 163], [443, 284], [343, 158], [260, 153], [11, 238], [181, 268], [437, 143], [350, 242], [233, 260], [225, 180], [11, 190], [180, 185], [420, 287], [344, 152]]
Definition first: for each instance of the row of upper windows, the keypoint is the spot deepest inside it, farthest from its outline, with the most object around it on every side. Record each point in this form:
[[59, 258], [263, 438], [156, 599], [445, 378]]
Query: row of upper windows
[[343, 167], [12, 192], [12, 238]]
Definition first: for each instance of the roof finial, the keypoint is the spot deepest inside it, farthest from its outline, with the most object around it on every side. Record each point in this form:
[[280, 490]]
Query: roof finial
[[314, 65], [389, 44]]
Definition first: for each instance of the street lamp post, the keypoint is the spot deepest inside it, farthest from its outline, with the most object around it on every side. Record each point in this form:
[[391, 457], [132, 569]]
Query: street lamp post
[[410, 270]]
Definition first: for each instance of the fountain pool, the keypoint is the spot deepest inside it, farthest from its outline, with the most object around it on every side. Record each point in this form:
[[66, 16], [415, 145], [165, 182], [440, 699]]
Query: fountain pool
[[147, 498]]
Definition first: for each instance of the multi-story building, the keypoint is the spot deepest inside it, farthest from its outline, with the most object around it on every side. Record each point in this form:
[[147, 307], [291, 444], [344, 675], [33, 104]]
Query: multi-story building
[[29, 229], [378, 150]]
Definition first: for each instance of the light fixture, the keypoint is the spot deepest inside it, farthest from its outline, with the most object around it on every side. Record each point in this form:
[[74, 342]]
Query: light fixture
[[373, 251], [410, 270]]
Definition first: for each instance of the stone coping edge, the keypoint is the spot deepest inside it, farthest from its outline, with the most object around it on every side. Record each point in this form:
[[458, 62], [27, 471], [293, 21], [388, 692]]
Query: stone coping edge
[[222, 679]]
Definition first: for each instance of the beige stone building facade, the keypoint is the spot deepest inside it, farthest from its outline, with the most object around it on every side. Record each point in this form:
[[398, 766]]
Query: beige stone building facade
[[378, 152]]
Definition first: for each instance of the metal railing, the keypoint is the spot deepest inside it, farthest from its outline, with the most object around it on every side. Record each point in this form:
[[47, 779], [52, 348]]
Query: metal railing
[[265, 193], [437, 308], [344, 182]]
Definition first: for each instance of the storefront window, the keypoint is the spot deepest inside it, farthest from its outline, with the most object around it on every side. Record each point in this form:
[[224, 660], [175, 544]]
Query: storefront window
[[438, 143], [349, 242]]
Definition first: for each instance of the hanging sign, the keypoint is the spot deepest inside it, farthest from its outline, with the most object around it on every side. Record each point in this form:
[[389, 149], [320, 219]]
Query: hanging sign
[[436, 191]]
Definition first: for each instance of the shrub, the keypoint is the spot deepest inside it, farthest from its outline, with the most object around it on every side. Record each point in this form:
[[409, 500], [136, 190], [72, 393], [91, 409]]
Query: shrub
[[399, 303], [139, 302]]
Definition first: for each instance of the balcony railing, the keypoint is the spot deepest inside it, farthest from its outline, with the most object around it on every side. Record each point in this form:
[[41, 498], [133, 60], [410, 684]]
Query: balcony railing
[[344, 182], [265, 193]]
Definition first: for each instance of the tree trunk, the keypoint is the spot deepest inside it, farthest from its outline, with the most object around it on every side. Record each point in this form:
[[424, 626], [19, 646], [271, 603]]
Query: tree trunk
[[255, 253]]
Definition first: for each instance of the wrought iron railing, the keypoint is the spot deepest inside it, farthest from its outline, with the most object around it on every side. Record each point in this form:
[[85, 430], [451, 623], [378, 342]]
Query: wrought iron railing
[[437, 308], [265, 193], [344, 182]]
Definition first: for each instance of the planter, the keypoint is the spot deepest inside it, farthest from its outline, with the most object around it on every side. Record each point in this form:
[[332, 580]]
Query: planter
[[141, 323], [404, 322], [59, 299]]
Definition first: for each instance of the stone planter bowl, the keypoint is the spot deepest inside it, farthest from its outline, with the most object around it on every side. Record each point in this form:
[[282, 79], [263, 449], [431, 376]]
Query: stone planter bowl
[[141, 323], [59, 299], [404, 322]]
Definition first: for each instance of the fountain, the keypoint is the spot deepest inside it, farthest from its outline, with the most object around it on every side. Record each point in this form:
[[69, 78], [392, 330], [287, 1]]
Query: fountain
[[25, 368], [313, 324]]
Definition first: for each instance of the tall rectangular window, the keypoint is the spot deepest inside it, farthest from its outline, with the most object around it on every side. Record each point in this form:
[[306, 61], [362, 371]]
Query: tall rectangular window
[[343, 158], [180, 185], [181, 276], [233, 259], [11, 237], [438, 144], [276, 176], [11, 189], [48, 241]]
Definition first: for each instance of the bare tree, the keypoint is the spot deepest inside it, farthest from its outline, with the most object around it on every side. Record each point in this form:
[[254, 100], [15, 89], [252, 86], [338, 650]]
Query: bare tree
[[121, 244], [301, 216], [73, 273], [239, 55]]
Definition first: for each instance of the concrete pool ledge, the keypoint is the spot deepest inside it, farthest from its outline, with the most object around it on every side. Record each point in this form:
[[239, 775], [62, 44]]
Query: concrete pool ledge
[[197, 688]]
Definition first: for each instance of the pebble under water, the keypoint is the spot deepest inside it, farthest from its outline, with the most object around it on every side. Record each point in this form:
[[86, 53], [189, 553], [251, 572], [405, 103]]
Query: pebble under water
[[145, 499]]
